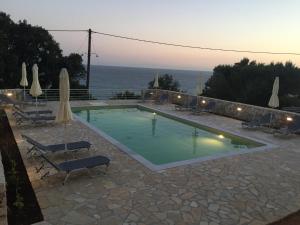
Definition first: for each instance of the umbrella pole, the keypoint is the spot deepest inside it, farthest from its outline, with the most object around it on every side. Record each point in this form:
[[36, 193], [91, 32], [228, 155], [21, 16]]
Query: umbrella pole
[[65, 131], [36, 103], [24, 93], [271, 119]]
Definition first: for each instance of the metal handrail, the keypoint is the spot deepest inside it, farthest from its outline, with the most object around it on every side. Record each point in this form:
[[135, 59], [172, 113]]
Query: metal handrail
[[81, 94]]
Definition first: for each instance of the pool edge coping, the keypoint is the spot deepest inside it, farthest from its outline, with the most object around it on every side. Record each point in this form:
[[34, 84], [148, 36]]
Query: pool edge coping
[[161, 168]]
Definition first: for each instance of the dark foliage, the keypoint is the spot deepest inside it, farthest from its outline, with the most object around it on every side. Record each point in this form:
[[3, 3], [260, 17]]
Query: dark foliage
[[251, 82], [166, 82], [23, 207], [21, 42], [126, 95]]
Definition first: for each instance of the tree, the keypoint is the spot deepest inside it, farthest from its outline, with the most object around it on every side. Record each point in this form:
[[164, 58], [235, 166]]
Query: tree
[[74, 64], [21, 42], [251, 82], [166, 82]]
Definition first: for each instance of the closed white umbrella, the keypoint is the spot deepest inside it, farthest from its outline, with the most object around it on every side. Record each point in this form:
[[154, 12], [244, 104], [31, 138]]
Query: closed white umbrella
[[24, 82], [156, 84], [274, 101], [64, 114], [35, 89], [200, 86]]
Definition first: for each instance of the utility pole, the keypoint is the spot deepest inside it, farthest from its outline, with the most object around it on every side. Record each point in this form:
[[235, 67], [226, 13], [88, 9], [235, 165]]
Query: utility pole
[[88, 60]]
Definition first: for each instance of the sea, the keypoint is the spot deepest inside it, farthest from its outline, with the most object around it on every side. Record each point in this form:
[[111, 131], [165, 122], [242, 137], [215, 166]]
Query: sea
[[129, 78]]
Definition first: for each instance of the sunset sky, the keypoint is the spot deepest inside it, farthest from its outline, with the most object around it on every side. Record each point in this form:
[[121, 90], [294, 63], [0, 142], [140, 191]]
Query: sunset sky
[[258, 25]]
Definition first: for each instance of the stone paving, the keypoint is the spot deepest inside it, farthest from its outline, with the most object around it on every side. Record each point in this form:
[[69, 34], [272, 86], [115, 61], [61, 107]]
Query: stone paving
[[255, 188]]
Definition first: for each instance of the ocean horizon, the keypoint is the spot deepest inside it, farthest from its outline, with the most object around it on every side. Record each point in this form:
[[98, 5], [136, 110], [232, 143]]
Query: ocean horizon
[[126, 78]]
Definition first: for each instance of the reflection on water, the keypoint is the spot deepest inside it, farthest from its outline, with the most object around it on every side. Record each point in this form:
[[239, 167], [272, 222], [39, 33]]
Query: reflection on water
[[88, 115], [237, 143], [194, 138], [153, 126]]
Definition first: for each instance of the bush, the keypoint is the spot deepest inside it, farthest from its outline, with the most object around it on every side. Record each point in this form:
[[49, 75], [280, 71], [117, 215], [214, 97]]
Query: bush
[[166, 82], [126, 95]]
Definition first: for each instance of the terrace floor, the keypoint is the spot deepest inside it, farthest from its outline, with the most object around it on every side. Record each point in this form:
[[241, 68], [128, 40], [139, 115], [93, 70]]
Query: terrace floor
[[254, 188]]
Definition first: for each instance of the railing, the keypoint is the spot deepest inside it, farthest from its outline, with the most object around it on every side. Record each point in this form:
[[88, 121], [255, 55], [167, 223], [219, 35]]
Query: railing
[[79, 94], [240, 111], [235, 110]]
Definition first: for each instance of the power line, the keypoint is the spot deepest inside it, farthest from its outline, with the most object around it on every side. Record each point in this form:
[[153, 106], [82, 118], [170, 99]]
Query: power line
[[196, 47], [93, 46], [181, 45], [82, 43]]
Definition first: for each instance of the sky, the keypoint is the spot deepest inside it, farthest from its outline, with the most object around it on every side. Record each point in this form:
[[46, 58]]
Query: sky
[[257, 25]]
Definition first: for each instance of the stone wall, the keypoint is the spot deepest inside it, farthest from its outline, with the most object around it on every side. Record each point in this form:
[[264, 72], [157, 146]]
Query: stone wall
[[3, 206], [235, 110]]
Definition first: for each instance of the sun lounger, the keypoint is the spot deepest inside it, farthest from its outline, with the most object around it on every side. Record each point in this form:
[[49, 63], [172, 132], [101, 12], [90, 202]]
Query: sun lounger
[[22, 118], [255, 123], [209, 108], [33, 112], [32, 101], [4, 100], [190, 105], [292, 128], [74, 165], [162, 99], [9, 101], [44, 149]]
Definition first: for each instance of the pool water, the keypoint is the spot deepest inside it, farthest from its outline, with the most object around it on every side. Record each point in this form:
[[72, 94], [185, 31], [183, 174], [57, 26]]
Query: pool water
[[159, 139]]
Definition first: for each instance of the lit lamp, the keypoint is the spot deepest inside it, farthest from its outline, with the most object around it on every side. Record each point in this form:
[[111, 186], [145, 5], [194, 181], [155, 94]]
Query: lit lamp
[[239, 109], [179, 96], [9, 94], [151, 93], [154, 115], [221, 136], [203, 101], [289, 119]]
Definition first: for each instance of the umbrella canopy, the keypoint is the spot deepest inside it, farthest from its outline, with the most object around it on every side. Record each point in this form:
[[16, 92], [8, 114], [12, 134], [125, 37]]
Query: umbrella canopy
[[35, 89], [24, 82], [274, 101], [200, 86], [64, 114], [156, 84]]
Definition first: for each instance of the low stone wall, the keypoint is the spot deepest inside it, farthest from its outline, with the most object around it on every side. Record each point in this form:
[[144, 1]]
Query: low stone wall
[[3, 205], [235, 110]]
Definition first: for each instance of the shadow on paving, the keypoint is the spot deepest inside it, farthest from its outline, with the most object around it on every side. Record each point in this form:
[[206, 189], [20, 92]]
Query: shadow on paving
[[292, 219]]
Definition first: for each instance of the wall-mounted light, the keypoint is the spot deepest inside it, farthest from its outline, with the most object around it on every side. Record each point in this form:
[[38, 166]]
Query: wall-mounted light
[[221, 136], [179, 96], [9, 94], [239, 109], [151, 93], [289, 118], [203, 101]]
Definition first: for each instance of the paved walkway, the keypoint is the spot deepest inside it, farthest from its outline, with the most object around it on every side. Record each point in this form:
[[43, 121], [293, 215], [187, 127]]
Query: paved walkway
[[255, 188]]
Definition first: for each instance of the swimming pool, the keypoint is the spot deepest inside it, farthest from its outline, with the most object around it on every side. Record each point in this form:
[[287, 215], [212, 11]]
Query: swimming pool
[[160, 140]]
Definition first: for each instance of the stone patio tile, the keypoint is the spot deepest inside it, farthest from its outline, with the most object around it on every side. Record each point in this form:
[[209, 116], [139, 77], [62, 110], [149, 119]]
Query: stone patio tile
[[75, 218]]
